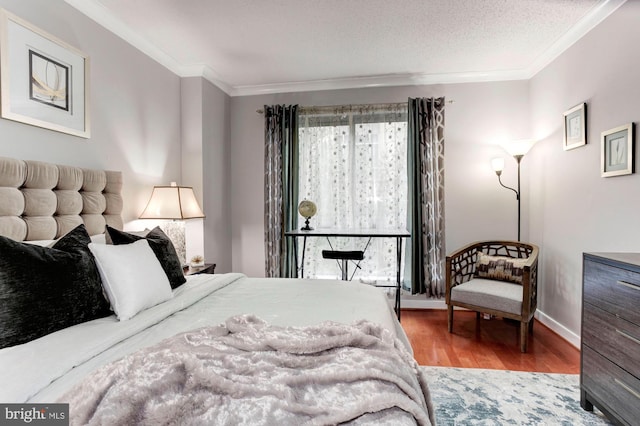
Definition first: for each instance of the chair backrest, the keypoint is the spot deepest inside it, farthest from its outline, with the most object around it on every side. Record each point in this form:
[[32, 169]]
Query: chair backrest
[[514, 249], [463, 261]]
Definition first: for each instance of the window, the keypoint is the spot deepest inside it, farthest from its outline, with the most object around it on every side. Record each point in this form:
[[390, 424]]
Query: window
[[353, 165]]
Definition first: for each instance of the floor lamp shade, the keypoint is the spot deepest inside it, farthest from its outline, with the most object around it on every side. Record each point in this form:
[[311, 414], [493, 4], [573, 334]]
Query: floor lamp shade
[[172, 202], [497, 164]]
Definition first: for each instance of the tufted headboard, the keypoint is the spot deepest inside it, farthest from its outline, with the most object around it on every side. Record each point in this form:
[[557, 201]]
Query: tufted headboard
[[43, 201]]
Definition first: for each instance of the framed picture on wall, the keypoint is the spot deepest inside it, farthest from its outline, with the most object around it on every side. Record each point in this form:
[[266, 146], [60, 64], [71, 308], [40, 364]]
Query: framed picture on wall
[[43, 80], [617, 151], [575, 127]]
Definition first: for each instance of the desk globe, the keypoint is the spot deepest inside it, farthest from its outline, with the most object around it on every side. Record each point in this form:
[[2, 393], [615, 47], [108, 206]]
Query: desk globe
[[307, 209]]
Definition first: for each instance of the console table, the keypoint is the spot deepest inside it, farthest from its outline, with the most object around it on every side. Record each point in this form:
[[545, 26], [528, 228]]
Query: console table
[[610, 342], [369, 234]]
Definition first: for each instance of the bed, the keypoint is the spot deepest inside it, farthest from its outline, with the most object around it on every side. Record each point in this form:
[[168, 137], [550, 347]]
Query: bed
[[202, 349]]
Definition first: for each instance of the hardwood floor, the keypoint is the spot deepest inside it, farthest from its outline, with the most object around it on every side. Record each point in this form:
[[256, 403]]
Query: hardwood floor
[[491, 344]]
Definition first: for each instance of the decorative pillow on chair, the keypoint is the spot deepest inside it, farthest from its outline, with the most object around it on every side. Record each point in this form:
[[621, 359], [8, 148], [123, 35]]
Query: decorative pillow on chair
[[161, 246], [500, 268], [44, 289]]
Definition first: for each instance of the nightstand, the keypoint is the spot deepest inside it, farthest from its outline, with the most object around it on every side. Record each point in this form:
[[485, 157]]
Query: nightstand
[[208, 268]]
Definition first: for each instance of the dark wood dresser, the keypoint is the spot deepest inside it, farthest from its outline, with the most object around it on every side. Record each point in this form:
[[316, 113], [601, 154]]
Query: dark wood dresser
[[610, 342]]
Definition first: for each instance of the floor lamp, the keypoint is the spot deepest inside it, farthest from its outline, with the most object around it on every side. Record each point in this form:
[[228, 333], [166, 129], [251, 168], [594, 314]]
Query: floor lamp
[[517, 149]]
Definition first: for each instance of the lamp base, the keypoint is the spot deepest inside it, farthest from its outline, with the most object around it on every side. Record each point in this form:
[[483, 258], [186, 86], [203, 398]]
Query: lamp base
[[175, 231]]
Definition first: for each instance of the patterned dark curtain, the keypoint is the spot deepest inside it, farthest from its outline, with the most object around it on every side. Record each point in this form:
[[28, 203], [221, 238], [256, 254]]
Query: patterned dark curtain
[[426, 196], [280, 188]]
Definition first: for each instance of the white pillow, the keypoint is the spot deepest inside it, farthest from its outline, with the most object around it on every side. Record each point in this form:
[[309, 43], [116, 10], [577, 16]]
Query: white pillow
[[131, 276]]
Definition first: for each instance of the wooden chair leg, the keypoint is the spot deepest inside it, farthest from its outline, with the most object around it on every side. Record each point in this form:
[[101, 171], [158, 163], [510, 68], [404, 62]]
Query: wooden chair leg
[[450, 318], [531, 326], [524, 336]]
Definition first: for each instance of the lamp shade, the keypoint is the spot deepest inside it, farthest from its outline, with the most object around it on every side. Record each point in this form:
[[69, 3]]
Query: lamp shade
[[520, 147], [172, 202], [497, 164]]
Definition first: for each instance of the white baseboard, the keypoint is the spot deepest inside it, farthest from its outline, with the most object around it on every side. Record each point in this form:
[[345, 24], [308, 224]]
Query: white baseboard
[[412, 302], [558, 328], [417, 302]]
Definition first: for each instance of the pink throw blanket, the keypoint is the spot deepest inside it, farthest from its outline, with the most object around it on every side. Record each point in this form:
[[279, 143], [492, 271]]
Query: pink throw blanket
[[248, 372]]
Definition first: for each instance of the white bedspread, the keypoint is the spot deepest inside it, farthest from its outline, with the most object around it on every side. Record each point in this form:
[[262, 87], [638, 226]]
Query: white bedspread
[[44, 369]]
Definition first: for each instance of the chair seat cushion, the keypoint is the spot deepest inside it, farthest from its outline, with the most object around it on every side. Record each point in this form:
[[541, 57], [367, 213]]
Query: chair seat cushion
[[491, 294]]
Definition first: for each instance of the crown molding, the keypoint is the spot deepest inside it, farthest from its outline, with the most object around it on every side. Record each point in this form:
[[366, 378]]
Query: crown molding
[[575, 33], [103, 16], [100, 14], [378, 81], [208, 74]]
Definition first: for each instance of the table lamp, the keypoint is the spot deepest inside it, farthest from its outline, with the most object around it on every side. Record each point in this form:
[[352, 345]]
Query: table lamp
[[176, 203]]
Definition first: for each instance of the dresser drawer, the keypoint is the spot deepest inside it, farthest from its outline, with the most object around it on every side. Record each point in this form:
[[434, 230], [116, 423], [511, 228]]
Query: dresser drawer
[[613, 289], [611, 386], [615, 338]]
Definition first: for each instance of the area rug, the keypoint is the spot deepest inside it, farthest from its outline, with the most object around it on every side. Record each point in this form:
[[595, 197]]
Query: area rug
[[469, 396]]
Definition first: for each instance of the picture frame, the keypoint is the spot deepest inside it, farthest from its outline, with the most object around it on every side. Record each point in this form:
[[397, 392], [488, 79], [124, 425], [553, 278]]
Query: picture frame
[[43, 80], [575, 127], [617, 151]]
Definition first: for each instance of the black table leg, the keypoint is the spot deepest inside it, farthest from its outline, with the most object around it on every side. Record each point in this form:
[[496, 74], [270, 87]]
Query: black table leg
[[399, 259], [304, 249], [295, 254]]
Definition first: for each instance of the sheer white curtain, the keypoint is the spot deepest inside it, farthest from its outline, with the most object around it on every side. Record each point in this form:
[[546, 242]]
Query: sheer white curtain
[[353, 165]]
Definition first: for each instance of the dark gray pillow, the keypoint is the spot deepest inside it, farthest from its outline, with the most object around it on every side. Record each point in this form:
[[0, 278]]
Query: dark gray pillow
[[43, 289], [161, 246]]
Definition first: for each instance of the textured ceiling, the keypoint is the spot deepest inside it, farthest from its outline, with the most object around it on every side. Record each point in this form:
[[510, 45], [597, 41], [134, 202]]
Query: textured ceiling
[[255, 45]]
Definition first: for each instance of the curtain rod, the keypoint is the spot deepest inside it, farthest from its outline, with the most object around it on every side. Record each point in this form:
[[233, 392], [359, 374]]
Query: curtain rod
[[350, 107]]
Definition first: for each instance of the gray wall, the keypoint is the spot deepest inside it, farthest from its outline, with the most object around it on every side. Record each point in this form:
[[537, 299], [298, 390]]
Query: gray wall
[[572, 209], [134, 107], [205, 166], [217, 176], [482, 115], [192, 119]]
